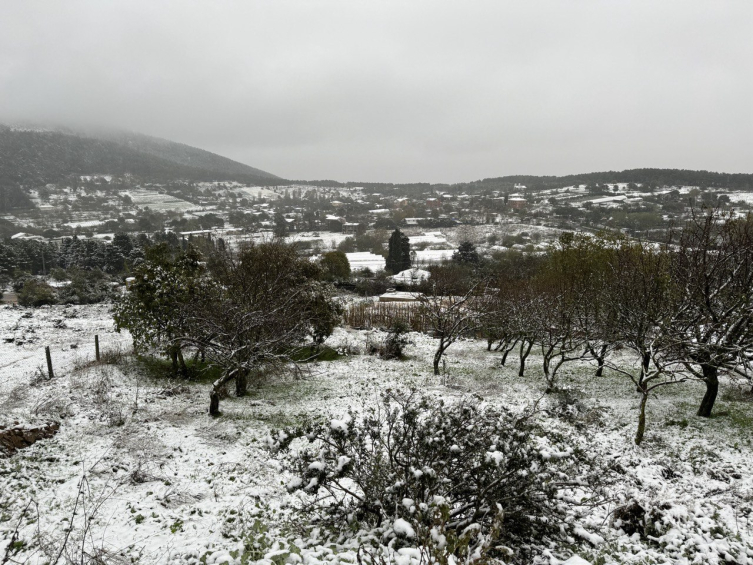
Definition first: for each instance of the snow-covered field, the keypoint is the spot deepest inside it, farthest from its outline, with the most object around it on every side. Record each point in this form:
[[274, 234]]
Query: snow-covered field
[[325, 239], [146, 476], [746, 197], [159, 202]]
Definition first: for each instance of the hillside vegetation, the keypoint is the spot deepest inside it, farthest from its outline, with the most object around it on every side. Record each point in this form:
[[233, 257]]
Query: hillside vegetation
[[33, 157]]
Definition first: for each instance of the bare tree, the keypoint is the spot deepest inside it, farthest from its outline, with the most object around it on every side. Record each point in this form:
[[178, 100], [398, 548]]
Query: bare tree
[[557, 333], [713, 271], [450, 316], [640, 294]]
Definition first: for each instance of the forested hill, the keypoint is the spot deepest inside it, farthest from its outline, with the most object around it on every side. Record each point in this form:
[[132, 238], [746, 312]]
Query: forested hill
[[655, 177], [34, 156], [658, 177]]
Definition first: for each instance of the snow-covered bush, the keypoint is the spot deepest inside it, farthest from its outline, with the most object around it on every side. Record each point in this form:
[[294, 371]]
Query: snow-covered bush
[[393, 344], [461, 476]]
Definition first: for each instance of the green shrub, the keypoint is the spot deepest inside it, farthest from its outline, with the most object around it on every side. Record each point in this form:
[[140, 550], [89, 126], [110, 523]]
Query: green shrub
[[36, 293], [459, 477]]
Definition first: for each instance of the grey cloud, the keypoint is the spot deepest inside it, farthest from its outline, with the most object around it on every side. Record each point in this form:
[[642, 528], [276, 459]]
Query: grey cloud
[[397, 91]]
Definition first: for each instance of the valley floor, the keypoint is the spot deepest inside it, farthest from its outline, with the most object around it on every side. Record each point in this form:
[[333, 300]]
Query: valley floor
[[144, 475]]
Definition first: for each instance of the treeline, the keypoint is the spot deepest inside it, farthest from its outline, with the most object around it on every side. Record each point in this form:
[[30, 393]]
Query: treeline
[[12, 197], [655, 177], [80, 271]]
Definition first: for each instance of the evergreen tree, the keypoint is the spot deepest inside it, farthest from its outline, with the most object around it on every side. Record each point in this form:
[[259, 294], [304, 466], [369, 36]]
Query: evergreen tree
[[398, 254], [466, 254]]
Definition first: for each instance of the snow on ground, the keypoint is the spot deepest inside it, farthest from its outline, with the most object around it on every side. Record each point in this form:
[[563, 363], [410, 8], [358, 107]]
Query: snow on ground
[[85, 224], [432, 256], [746, 197], [365, 260], [429, 238], [256, 192], [159, 202], [159, 481], [327, 240]]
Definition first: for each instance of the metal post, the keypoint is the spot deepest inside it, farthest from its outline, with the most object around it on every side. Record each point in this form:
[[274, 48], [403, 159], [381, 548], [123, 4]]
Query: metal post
[[96, 347]]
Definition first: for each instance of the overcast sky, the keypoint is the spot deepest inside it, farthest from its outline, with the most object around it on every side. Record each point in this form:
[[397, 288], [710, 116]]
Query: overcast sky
[[405, 90]]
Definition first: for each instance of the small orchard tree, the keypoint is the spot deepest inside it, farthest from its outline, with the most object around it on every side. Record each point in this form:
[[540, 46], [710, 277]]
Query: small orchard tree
[[450, 317], [712, 328], [158, 306], [641, 293], [262, 306]]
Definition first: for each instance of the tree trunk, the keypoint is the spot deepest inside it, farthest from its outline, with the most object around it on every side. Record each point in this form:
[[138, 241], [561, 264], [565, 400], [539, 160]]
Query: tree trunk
[[182, 363], [711, 377], [641, 419], [214, 403], [546, 356], [489, 344], [524, 351], [644, 367], [437, 359], [174, 359], [552, 379], [600, 356], [241, 383], [507, 351]]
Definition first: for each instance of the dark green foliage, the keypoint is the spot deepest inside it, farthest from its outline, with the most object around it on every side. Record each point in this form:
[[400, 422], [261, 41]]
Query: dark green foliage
[[336, 266], [398, 254], [86, 287], [466, 254], [12, 197], [36, 293], [153, 311], [393, 344]]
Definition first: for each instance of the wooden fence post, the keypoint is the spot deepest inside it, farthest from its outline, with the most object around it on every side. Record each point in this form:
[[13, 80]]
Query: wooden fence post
[[49, 362], [96, 347]]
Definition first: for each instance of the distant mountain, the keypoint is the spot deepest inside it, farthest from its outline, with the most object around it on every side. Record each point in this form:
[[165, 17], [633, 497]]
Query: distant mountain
[[38, 155]]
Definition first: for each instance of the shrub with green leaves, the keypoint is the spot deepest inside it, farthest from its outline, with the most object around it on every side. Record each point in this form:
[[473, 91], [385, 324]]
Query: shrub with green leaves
[[463, 477], [36, 293]]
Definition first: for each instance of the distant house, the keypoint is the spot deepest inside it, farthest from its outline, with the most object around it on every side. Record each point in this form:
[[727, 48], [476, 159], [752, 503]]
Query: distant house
[[516, 202], [353, 228], [335, 223]]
